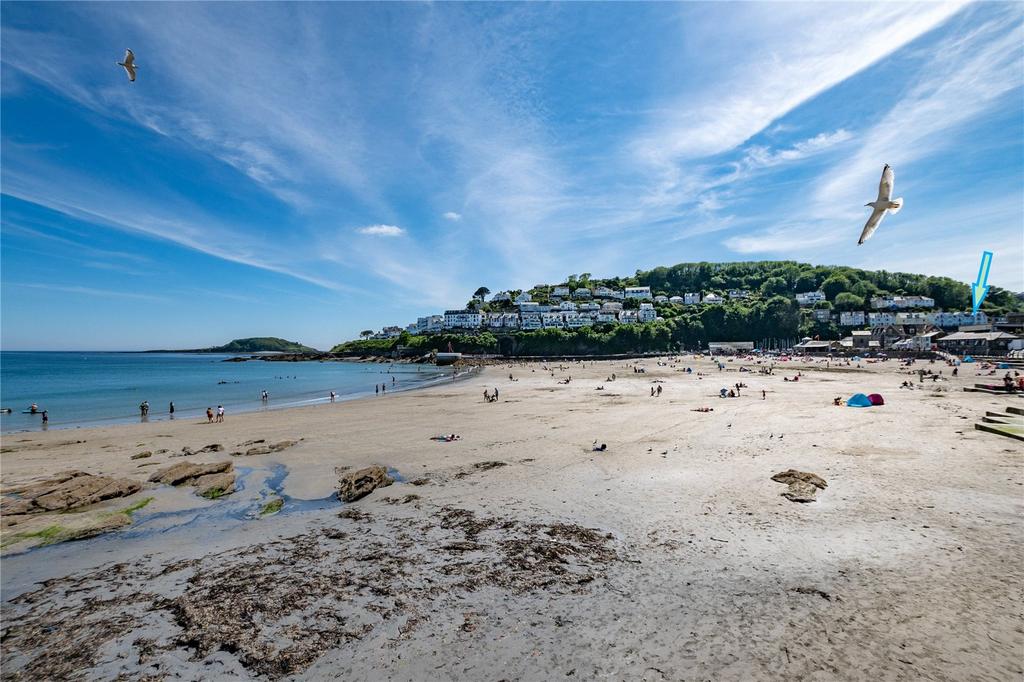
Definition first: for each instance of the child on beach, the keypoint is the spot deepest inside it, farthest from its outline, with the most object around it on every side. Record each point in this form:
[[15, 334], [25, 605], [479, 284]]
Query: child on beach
[[220, 414], [209, 415]]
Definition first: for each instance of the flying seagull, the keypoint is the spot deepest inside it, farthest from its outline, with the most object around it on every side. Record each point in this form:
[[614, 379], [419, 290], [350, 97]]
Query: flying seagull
[[129, 64], [881, 205]]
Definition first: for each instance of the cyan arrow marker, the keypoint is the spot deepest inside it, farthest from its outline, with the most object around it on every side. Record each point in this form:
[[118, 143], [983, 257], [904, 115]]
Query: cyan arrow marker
[[979, 290]]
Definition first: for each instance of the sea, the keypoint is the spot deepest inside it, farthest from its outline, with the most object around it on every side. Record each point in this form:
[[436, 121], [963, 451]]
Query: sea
[[97, 389]]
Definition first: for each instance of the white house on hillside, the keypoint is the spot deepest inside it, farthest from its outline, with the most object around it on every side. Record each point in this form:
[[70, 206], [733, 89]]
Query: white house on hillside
[[561, 292], [881, 319], [646, 313], [523, 297], [810, 297], [691, 299], [638, 292], [952, 320], [712, 299], [605, 292], [901, 302], [851, 318], [462, 319]]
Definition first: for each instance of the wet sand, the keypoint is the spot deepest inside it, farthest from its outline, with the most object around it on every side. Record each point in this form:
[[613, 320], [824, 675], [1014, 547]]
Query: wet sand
[[519, 553]]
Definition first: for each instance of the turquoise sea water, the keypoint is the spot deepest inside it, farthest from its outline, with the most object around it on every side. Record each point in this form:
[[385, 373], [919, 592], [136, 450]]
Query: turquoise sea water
[[91, 389]]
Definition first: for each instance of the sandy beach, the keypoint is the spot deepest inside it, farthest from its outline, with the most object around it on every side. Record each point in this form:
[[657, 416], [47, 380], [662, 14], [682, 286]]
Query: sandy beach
[[518, 552]]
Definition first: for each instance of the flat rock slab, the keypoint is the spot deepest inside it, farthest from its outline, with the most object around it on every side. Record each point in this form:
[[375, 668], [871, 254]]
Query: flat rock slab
[[186, 472], [266, 449], [67, 490], [354, 485]]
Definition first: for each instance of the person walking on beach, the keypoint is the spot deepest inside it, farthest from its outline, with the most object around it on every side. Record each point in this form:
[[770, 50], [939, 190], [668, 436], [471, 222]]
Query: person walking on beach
[[209, 415], [144, 408], [333, 396], [46, 419], [495, 394], [170, 410], [764, 396], [220, 414], [376, 389]]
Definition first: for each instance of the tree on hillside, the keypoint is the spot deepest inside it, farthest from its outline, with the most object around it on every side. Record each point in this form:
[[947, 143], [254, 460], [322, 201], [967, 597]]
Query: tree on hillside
[[774, 286], [366, 333], [835, 285], [481, 293], [805, 281], [848, 301]]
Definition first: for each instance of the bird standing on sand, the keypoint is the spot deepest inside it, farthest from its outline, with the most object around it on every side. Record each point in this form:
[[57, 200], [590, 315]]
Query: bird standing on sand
[[881, 205], [129, 64]]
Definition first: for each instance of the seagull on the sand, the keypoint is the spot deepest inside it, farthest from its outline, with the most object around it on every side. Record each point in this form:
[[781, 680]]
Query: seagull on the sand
[[129, 64], [881, 205]]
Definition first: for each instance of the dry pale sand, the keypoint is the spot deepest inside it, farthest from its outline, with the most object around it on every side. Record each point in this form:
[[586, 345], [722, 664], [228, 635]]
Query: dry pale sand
[[670, 556]]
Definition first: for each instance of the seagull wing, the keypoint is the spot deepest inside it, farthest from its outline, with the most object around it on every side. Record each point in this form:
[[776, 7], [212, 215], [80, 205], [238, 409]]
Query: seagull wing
[[131, 71], [129, 58], [885, 186], [871, 225]]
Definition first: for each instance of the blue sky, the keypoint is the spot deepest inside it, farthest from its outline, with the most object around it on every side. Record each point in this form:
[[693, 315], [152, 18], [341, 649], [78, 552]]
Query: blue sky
[[311, 170]]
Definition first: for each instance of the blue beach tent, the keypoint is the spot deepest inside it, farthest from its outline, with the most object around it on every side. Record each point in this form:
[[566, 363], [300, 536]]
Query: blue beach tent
[[858, 400]]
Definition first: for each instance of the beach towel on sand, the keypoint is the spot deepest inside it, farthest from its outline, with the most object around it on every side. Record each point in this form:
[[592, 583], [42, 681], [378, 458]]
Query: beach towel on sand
[[876, 399], [858, 400]]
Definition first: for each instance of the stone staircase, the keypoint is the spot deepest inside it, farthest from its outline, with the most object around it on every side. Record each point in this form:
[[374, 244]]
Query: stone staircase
[[1009, 423], [991, 389]]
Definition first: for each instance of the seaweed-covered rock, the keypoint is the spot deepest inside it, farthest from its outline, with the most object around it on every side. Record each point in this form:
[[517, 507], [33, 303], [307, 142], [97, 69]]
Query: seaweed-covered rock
[[354, 485], [215, 485]]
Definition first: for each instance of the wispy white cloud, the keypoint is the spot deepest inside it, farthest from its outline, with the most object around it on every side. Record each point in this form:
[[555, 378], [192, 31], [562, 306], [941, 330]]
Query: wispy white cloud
[[381, 230], [452, 215], [88, 291], [791, 53]]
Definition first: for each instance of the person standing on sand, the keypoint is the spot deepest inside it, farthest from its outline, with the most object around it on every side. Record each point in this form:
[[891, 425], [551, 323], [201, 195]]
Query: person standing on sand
[[495, 394], [376, 389], [209, 415], [333, 396], [220, 414], [764, 396], [170, 410]]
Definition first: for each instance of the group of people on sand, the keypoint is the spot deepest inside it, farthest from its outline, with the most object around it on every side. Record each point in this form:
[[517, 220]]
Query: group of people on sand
[[656, 393], [491, 397], [215, 419]]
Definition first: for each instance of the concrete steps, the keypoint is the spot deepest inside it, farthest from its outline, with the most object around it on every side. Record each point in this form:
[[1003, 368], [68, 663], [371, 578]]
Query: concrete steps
[[1008, 430], [1009, 423]]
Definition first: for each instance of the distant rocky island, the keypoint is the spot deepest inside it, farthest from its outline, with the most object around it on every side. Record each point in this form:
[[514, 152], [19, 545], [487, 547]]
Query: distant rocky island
[[257, 344]]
